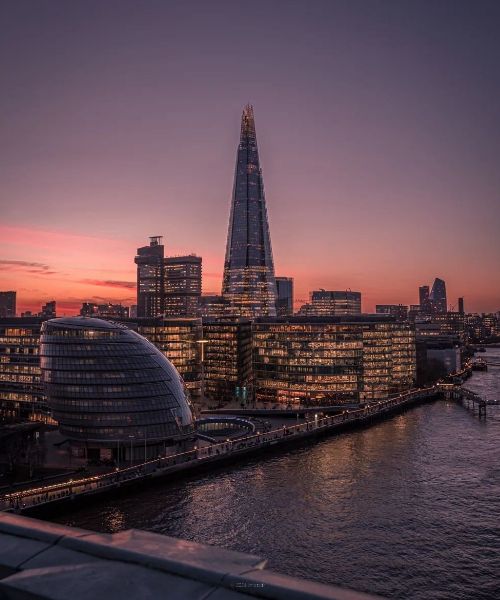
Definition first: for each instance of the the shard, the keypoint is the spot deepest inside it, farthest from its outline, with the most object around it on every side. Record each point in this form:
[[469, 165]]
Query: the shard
[[249, 283]]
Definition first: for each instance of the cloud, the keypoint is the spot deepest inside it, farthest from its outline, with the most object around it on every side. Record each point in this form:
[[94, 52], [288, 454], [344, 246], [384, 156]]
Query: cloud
[[27, 266], [110, 283]]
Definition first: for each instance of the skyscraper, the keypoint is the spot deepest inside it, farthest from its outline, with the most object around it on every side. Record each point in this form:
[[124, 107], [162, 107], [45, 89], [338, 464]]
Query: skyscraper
[[7, 304], [423, 298], [150, 261], [249, 283], [183, 285], [284, 290], [437, 297]]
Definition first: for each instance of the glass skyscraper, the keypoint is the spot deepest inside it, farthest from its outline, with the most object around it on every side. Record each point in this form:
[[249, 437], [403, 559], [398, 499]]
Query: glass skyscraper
[[249, 283], [437, 296]]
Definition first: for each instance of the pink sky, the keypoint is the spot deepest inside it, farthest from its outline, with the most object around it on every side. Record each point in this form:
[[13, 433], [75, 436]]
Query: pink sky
[[378, 129]]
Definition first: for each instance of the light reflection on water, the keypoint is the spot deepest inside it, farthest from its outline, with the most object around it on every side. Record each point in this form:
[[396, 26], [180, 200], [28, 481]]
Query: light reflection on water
[[407, 508]]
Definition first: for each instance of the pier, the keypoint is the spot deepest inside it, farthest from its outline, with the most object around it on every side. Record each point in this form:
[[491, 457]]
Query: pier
[[49, 496]]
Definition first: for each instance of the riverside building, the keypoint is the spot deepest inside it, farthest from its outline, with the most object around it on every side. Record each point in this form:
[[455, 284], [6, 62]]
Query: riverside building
[[113, 393], [332, 360], [183, 285], [227, 364]]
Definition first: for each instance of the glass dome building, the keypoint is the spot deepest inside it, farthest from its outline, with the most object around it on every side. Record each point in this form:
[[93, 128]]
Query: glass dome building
[[113, 393]]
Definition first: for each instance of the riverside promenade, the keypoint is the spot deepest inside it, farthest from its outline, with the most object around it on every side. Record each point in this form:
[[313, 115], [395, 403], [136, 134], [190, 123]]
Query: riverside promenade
[[205, 457]]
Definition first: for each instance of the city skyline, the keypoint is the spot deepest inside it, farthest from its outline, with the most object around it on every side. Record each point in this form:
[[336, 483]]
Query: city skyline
[[379, 177]]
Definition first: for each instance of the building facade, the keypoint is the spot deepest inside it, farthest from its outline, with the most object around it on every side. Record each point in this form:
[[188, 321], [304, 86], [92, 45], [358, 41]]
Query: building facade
[[227, 364], [249, 281], [21, 393], [151, 276], [113, 393], [437, 297], [400, 311], [7, 304], [325, 303], [284, 291], [183, 285], [315, 361], [104, 311]]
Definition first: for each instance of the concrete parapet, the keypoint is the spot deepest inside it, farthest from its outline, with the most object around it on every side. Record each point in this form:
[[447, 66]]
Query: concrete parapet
[[39, 560]]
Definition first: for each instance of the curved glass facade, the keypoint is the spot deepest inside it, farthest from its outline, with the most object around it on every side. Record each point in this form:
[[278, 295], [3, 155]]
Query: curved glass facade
[[108, 385]]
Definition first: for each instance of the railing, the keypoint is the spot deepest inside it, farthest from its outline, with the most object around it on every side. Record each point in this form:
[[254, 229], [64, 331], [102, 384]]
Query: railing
[[21, 500]]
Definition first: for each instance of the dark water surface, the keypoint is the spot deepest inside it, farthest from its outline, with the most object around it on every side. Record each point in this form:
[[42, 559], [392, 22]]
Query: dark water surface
[[408, 508]]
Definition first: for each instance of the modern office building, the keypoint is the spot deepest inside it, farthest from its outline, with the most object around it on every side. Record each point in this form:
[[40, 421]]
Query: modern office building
[[104, 311], [179, 341], [400, 311], [325, 303], [284, 291], [423, 298], [213, 306], [48, 310], [151, 277], [113, 393], [183, 285], [461, 308], [437, 297], [249, 282], [227, 364], [21, 393], [7, 304], [332, 360]]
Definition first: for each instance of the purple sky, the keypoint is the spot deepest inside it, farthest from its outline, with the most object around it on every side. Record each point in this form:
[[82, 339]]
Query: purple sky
[[378, 126]]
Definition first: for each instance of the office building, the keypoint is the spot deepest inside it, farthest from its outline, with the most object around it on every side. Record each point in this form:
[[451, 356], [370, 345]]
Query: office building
[[7, 304], [248, 282], [332, 360], [227, 363], [461, 308], [325, 303], [48, 310], [423, 297], [213, 306], [21, 393], [104, 311], [151, 276], [437, 297], [284, 291], [183, 285], [400, 311], [113, 393]]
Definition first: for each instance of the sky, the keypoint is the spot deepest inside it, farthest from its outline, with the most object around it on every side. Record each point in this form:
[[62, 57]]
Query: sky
[[378, 125]]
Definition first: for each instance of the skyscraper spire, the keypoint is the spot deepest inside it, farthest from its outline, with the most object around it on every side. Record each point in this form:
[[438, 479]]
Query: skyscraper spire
[[249, 283]]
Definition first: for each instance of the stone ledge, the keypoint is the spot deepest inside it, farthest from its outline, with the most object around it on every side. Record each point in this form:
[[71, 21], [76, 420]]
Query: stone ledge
[[41, 561]]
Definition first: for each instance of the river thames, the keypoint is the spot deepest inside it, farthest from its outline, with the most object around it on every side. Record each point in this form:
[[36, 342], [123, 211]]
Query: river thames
[[407, 508]]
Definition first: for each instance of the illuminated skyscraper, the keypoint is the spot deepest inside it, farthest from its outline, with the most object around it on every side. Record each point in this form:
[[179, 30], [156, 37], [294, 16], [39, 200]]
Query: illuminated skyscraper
[[284, 289], [182, 285], [249, 283], [437, 296], [150, 261], [423, 297]]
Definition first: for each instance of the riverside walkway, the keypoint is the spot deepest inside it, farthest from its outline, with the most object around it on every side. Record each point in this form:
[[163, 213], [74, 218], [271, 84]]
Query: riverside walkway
[[34, 499]]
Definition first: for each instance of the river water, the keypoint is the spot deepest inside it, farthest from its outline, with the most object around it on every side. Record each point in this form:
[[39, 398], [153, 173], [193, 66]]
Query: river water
[[407, 508]]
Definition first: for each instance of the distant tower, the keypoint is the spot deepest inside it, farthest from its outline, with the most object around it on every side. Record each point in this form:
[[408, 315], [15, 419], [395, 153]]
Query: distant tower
[[437, 296], [150, 261], [284, 303], [461, 308], [423, 297], [249, 283], [8, 304]]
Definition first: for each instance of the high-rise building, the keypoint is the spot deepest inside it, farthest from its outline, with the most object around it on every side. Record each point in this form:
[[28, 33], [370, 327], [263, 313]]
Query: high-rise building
[[150, 261], [332, 304], [7, 304], [423, 298], [437, 297], [183, 285], [461, 308], [249, 282], [284, 290], [49, 310]]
